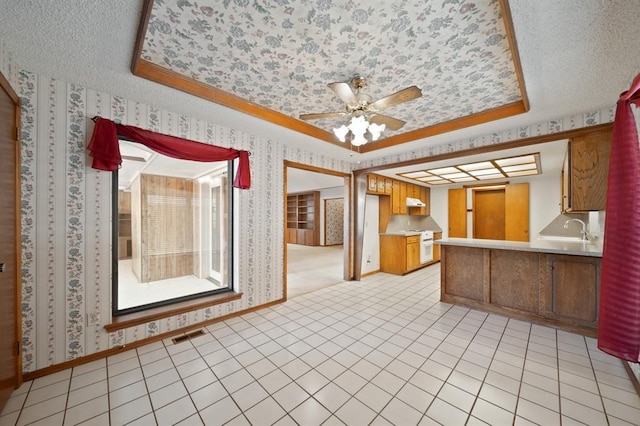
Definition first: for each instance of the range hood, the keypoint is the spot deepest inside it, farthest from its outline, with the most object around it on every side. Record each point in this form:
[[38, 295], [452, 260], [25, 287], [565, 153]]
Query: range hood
[[414, 202]]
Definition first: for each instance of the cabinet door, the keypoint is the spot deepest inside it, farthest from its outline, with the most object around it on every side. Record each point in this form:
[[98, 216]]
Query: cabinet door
[[403, 197], [425, 196], [589, 164], [388, 186], [565, 177], [572, 289], [372, 185], [395, 198], [436, 247], [413, 256]]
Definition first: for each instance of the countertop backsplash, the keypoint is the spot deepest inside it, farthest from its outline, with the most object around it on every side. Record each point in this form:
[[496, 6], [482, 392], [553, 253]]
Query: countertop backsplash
[[593, 220], [402, 222]]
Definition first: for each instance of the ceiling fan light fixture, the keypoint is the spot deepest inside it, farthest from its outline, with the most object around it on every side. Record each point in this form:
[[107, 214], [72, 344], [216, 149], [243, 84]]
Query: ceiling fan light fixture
[[358, 126], [376, 130], [341, 133]]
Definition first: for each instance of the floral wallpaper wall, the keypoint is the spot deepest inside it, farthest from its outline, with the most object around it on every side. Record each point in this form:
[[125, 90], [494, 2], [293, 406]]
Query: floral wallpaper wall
[[66, 211], [334, 223], [66, 215]]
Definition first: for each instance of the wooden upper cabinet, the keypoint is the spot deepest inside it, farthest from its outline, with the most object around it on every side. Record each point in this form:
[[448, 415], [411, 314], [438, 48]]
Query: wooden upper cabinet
[[403, 198], [585, 173], [372, 184], [395, 197], [388, 186]]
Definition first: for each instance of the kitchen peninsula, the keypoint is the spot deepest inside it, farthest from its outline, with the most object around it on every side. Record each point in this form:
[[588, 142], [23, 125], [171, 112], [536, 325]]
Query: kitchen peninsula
[[553, 282]]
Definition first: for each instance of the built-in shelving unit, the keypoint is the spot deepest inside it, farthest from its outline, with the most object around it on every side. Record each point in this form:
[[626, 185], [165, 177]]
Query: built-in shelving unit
[[303, 218]]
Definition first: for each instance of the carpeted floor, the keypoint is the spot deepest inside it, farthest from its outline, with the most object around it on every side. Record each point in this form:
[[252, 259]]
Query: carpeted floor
[[310, 268]]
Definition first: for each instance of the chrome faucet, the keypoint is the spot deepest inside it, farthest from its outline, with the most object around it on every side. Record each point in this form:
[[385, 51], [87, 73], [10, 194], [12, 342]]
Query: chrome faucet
[[585, 235]]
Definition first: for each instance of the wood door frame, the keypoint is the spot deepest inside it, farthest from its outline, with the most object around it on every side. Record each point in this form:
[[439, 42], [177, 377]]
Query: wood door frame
[[6, 87], [349, 266]]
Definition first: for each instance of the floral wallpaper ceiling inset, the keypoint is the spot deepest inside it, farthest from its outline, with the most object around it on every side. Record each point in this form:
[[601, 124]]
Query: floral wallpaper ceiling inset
[[281, 54]]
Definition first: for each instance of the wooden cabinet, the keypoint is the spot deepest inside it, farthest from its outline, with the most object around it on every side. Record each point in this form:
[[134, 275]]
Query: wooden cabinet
[[436, 247], [399, 191], [572, 286], [584, 172], [413, 253], [303, 218], [559, 290], [399, 254]]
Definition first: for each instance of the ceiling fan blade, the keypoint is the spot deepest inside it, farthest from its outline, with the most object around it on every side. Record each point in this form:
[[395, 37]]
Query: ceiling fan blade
[[344, 92], [399, 97], [318, 116], [390, 122]]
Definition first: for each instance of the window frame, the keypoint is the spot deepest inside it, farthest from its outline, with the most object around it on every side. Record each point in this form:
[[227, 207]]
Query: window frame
[[115, 312]]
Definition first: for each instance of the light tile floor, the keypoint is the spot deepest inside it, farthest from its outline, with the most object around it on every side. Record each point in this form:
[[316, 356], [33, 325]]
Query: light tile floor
[[382, 351]]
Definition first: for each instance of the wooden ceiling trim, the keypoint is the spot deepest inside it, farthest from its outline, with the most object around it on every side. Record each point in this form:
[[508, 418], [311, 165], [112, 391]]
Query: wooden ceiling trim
[[158, 74], [515, 55], [448, 126], [171, 79]]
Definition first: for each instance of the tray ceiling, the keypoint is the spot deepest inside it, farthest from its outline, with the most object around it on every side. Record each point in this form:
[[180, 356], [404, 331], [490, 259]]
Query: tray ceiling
[[274, 59]]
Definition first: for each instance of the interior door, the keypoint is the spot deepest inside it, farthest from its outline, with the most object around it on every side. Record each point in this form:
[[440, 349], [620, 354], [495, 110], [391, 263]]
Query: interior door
[[489, 214], [517, 212], [10, 360], [457, 213]]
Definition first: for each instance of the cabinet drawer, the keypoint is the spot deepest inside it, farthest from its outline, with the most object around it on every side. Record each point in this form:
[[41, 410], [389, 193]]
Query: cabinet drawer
[[413, 239]]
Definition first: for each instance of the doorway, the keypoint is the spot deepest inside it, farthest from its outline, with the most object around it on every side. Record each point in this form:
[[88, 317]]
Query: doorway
[[10, 326], [317, 243]]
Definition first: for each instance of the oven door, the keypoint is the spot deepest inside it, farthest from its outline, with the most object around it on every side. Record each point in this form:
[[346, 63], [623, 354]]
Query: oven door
[[426, 249]]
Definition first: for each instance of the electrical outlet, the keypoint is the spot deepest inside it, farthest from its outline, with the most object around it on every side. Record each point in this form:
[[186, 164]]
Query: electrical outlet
[[93, 319]]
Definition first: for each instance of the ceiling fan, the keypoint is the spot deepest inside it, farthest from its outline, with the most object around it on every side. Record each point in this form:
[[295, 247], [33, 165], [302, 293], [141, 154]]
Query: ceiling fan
[[360, 107]]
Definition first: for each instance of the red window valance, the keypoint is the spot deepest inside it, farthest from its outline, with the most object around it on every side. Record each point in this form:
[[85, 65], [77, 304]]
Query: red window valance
[[105, 149]]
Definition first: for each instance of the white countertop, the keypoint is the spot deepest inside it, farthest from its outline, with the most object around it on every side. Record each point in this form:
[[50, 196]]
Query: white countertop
[[589, 248], [401, 233]]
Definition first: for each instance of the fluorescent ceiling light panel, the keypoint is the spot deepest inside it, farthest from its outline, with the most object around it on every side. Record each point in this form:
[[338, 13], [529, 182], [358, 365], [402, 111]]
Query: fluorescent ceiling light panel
[[443, 170], [484, 172], [415, 175], [516, 160], [455, 175], [524, 165], [523, 173], [476, 166], [520, 167]]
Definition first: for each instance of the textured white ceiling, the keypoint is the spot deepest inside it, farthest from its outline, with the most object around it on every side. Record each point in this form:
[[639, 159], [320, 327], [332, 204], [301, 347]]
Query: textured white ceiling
[[576, 56]]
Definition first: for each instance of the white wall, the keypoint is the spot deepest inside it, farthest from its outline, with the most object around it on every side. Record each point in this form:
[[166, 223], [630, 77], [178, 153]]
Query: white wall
[[544, 198], [371, 240]]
